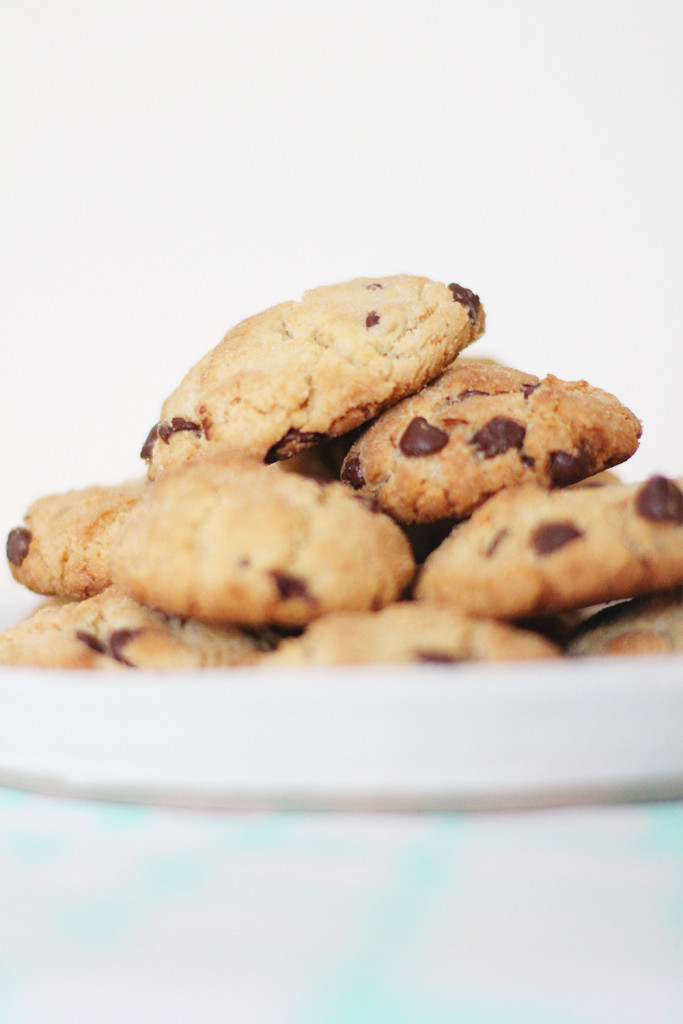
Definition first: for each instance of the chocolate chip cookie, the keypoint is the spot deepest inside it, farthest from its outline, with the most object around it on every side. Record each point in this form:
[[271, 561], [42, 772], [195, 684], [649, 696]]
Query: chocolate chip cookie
[[233, 540], [480, 427], [62, 548], [643, 625], [529, 551], [409, 631], [303, 371], [112, 631]]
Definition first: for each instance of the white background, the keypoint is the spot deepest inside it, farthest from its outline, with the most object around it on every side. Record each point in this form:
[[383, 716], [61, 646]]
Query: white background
[[170, 168]]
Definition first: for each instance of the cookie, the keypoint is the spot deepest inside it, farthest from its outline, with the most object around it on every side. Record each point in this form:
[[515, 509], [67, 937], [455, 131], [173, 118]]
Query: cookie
[[232, 540], [643, 625], [112, 631], [529, 551], [409, 631], [62, 548], [480, 427], [302, 371]]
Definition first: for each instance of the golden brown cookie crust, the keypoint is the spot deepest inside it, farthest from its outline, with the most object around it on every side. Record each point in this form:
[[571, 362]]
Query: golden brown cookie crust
[[232, 540], [409, 632], [301, 371], [645, 625], [529, 551], [480, 427], [62, 548], [111, 631]]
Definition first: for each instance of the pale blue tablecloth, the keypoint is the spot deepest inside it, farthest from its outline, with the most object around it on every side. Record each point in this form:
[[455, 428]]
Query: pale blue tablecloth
[[120, 913]]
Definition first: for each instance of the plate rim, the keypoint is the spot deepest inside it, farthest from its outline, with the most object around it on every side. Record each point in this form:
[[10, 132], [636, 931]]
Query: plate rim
[[628, 705]]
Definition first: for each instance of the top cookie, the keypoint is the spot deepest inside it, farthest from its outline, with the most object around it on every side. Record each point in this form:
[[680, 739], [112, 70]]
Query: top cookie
[[301, 371], [481, 427]]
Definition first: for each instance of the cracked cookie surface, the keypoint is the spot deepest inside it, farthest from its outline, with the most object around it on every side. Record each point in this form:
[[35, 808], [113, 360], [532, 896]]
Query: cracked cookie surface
[[303, 371], [111, 631], [232, 540], [480, 427], [62, 548], [408, 632], [529, 551]]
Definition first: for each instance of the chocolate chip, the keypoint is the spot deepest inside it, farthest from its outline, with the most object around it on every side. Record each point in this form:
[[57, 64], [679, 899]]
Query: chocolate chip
[[352, 473], [467, 299], [118, 640], [371, 319], [91, 641], [290, 586], [374, 286], [435, 658], [177, 424], [660, 499], [18, 541], [548, 537], [421, 438], [148, 446], [566, 467], [498, 435], [497, 539], [290, 443], [528, 460], [528, 389]]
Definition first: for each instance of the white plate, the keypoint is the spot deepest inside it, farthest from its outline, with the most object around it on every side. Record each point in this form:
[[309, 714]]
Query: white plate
[[424, 738]]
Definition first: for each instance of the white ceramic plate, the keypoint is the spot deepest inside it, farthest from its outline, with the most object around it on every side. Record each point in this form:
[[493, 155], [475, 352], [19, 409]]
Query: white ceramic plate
[[418, 738]]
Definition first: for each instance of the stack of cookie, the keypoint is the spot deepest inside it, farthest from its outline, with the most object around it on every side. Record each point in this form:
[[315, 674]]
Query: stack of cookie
[[334, 483]]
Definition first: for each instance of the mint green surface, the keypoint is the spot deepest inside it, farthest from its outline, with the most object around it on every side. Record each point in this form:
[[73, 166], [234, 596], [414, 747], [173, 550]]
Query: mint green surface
[[550, 917]]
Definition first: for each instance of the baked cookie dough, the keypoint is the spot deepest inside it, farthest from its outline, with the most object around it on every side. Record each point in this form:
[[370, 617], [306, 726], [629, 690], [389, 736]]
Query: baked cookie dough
[[480, 427], [409, 631], [232, 540], [112, 631], [62, 548], [529, 551], [643, 625], [303, 371]]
